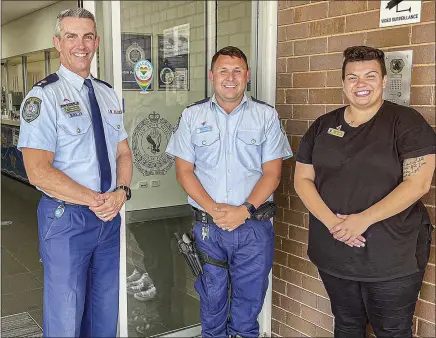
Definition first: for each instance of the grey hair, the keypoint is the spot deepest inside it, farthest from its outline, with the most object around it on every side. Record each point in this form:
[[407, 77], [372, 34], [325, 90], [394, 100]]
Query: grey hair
[[73, 13]]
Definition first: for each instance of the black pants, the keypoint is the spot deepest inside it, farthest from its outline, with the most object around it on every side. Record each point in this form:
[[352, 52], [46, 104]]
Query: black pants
[[388, 305]]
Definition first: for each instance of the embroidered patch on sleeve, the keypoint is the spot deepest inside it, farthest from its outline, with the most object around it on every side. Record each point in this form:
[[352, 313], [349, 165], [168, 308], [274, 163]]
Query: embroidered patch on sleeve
[[31, 109]]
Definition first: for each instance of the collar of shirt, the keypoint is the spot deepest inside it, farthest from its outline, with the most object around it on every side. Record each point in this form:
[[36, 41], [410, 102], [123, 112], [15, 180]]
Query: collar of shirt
[[213, 103], [74, 79]]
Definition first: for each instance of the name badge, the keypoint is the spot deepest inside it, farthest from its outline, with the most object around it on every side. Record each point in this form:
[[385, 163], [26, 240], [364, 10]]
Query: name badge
[[204, 129], [336, 132], [115, 111]]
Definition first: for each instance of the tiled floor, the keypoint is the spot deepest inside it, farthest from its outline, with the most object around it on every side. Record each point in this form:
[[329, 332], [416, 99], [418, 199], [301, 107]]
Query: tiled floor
[[21, 271]]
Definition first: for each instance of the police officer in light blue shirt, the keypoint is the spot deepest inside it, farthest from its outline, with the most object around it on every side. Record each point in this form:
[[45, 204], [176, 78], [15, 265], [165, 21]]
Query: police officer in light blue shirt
[[75, 151], [229, 151]]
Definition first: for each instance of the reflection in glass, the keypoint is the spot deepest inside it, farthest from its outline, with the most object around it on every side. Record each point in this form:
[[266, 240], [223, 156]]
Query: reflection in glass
[[170, 35], [55, 62], [35, 68], [159, 284], [15, 84], [234, 28]]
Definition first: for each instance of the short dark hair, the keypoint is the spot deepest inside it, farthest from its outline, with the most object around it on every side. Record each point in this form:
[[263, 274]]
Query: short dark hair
[[230, 51], [363, 53]]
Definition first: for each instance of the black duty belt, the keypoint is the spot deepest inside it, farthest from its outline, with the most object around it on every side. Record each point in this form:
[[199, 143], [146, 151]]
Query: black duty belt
[[202, 216], [60, 201]]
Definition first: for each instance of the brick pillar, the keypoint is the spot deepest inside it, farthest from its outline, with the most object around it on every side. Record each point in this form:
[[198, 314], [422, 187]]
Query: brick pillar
[[311, 38]]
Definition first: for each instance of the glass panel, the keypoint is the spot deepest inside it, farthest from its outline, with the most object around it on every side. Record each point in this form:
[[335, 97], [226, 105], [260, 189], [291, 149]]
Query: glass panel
[[15, 84], [35, 68], [170, 35], [234, 28], [55, 62]]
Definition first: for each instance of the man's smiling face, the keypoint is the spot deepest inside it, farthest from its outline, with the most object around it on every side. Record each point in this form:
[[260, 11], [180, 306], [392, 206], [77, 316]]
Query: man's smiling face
[[77, 44]]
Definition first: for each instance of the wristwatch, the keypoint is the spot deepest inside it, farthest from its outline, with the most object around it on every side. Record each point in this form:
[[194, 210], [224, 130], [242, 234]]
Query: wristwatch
[[126, 189], [250, 207]]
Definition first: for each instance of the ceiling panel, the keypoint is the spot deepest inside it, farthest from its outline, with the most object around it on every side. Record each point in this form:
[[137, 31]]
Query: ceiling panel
[[12, 10]]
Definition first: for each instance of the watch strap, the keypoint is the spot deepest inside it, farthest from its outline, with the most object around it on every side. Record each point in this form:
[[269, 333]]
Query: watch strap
[[126, 189], [250, 207]]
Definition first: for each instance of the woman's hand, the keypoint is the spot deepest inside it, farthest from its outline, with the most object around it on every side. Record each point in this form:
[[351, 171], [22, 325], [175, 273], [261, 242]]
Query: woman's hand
[[351, 229]]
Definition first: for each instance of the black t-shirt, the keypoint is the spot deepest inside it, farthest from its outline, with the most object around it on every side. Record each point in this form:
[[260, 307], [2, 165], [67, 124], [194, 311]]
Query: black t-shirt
[[357, 170]]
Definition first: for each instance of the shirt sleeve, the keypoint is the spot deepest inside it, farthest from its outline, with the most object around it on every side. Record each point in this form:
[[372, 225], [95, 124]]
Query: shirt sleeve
[[276, 144], [305, 149], [38, 121], [415, 137], [180, 144]]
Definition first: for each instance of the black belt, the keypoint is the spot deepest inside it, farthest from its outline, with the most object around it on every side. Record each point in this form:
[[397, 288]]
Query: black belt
[[265, 211], [60, 201], [202, 216]]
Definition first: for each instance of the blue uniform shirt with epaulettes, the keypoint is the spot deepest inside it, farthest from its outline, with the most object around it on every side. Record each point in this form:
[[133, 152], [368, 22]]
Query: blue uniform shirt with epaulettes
[[228, 150], [56, 116]]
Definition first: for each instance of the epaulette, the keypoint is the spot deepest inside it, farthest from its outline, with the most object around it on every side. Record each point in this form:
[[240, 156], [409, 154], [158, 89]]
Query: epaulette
[[98, 80], [261, 102], [52, 78], [199, 102]]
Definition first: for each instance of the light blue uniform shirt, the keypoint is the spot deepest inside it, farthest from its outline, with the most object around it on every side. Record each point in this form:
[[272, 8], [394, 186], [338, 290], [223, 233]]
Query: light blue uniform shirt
[[64, 126], [228, 150]]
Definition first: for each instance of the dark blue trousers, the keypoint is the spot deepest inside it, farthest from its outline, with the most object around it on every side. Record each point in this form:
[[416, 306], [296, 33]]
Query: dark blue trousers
[[249, 251], [81, 256]]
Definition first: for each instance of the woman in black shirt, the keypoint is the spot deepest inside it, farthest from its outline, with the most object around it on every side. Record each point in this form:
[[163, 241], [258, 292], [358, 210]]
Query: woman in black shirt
[[361, 171]]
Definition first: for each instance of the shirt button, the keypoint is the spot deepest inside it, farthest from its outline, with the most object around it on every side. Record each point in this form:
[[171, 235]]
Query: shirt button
[[253, 141], [118, 126], [203, 143], [229, 171], [230, 190], [78, 130], [229, 152]]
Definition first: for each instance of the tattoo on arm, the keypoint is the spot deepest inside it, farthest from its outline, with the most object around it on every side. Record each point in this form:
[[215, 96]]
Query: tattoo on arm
[[411, 166]]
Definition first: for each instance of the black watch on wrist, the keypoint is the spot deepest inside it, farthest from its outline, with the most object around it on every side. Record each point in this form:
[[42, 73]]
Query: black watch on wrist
[[250, 207], [126, 189]]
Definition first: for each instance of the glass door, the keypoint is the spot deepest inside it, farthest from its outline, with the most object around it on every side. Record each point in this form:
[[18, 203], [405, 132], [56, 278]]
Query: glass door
[[157, 55], [163, 63]]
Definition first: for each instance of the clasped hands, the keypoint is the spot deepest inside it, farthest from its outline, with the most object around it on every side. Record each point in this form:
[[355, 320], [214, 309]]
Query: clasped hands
[[229, 217], [350, 228], [107, 205]]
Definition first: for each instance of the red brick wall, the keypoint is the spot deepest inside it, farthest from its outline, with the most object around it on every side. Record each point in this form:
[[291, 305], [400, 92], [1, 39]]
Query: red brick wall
[[311, 38]]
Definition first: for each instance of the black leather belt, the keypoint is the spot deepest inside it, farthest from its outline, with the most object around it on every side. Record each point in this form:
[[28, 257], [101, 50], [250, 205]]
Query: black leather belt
[[202, 216], [60, 201]]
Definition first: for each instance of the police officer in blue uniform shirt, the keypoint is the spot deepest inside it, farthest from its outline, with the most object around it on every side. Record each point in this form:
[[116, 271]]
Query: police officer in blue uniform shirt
[[229, 151], [75, 151]]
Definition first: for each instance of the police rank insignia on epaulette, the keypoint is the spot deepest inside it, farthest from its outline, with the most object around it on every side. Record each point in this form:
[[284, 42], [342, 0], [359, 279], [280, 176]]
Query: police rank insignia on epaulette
[[31, 109]]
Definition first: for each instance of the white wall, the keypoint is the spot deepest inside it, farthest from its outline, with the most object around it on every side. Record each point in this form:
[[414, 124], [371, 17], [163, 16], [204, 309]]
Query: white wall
[[32, 32]]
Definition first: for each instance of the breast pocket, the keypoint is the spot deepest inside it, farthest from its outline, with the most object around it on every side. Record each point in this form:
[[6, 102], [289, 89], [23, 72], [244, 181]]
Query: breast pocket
[[249, 148], [207, 149], [74, 137], [113, 124]]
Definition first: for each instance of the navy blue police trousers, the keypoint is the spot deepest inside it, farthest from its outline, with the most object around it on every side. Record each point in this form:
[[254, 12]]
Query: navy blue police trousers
[[249, 252], [81, 255]]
